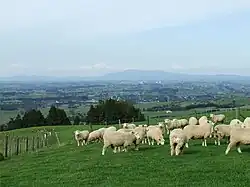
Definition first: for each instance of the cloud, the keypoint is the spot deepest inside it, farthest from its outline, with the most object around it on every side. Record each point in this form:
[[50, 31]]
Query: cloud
[[89, 70], [98, 66]]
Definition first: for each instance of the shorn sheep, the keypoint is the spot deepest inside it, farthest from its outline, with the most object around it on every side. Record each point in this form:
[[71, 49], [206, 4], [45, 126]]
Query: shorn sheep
[[217, 118], [154, 133], [221, 131], [202, 131], [128, 125], [192, 121], [177, 140], [81, 137], [116, 139], [238, 136], [202, 118]]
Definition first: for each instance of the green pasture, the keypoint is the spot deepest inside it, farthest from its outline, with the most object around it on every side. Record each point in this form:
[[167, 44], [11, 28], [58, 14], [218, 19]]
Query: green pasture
[[68, 165]]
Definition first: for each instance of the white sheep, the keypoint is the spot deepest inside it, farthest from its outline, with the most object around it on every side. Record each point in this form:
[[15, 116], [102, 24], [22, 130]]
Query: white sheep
[[162, 127], [154, 133], [236, 123], [117, 139], [238, 136], [247, 122], [140, 130], [202, 118], [111, 128], [217, 118], [177, 140], [167, 124], [128, 125], [102, 130], [221, 131], [192, 121], [183, 122], [81, 136], [201, 131], [96, 135]]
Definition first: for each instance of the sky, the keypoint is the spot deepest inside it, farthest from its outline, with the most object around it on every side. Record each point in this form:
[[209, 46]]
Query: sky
[[89, 38]]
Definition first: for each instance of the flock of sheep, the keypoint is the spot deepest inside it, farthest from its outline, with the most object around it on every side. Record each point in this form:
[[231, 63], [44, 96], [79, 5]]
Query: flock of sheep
[[180, 131]]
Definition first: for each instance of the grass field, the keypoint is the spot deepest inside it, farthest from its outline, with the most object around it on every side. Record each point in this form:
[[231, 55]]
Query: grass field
[[70, 165]]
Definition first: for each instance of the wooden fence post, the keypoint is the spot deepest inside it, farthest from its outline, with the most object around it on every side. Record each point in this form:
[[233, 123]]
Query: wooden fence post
[[236, 113], [33, 143], [42, 142], [90, 127], [58, 141], [6, 145], [20, 144], [27, 144], [37, 142], [17, 145]]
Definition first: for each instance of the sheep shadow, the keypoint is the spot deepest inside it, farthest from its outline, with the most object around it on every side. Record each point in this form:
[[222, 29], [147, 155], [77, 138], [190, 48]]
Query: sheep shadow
[[145, 148], [245, 149], [190, 152]]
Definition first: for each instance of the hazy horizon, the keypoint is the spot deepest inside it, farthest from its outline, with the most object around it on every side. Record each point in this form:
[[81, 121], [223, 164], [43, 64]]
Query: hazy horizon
[[92, 38]]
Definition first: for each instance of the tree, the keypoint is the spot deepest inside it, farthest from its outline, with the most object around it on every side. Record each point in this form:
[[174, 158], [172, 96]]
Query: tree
[[33, 118], [112, 110], [77, 120], [57, 116]]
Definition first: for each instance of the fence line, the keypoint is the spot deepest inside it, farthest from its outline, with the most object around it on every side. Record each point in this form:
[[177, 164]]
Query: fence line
[[16, 145]]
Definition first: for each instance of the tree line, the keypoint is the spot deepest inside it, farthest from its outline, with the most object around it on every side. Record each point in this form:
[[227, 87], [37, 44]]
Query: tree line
[[109, 112], [177, 107]]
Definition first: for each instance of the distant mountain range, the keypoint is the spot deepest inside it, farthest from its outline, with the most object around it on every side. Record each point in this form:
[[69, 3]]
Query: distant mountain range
[[134, 75]]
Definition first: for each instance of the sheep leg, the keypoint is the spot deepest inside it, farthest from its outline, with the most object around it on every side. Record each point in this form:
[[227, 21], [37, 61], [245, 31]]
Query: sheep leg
[[125, 149], [78, 143], [186, 144], [230, 145], [119, 149], [115, 150], [205, 142], [172, 148], [136, 147], [215, 142], [177, 150], [148, 139], [152, 142], [104, 149], [202, 144], [82, 142], [238, 148], [218, 141]]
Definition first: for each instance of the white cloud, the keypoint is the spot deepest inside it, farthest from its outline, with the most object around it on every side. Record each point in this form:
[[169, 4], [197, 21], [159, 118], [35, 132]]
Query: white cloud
[[98, 66], [89, 70]]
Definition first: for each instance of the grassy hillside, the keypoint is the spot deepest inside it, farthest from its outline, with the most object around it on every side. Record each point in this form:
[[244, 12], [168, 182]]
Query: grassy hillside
[[70, 165]]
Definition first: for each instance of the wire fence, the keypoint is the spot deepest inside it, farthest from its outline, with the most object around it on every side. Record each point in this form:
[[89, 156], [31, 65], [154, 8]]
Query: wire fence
[[15, 145]]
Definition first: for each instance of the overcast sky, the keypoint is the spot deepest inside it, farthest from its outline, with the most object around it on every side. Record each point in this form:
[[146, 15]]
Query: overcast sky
[[93, 37]]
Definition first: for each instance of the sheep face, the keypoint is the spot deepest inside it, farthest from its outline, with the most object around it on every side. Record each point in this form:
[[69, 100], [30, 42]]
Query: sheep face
[[161, 141], [136, 134], [161, 124]]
